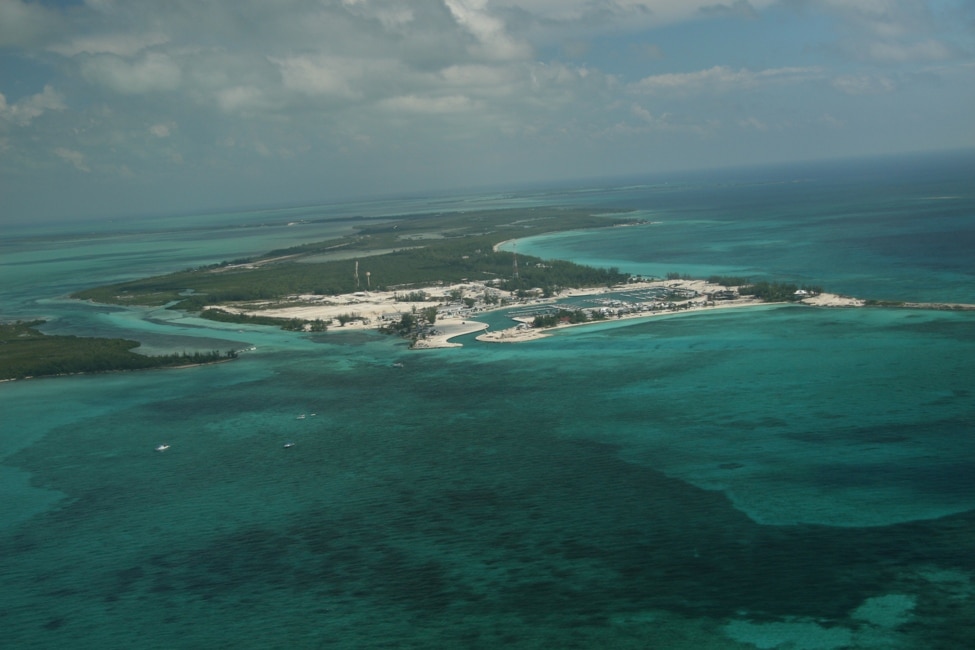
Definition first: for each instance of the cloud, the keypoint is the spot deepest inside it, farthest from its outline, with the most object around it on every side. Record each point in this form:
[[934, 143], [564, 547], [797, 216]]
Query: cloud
[[863, 84], [546, 22], [738, 8], [153, 72], [666, 122], [483, 80], [648, 51], [893, 31], [324, 75], [493, 41], [120, 44], [721, 78], [929, 50], [393, 16], [162, 130], [74, 158], [353, 85], [621, 14], [753, 123], [26, 110], [429, 105], [831, 121], [243, 99], [23, 23]]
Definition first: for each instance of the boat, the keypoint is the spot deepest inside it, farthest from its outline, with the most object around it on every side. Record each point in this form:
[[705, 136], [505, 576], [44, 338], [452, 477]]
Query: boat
[[162, 447], [289, 444]]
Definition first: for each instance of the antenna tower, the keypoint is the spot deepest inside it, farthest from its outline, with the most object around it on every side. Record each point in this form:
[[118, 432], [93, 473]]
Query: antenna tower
[[514, 262]]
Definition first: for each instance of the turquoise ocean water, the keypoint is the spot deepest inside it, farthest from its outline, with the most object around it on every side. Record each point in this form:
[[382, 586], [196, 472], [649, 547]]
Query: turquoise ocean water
[[776, 477]]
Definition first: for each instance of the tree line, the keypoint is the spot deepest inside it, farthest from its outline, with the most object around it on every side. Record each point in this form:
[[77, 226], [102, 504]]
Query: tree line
[[571, 316], [26, 352], [289, 324], [464, 253]]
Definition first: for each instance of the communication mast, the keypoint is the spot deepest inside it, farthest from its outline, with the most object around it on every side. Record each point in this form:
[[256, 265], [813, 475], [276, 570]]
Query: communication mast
[[514, 262]]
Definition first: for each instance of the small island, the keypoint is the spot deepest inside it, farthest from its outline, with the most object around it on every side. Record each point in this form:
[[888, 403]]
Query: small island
[[25, 353], [423, 277]]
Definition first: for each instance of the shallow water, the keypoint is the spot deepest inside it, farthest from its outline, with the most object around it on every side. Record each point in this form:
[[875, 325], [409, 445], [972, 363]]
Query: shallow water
[[770, 477]]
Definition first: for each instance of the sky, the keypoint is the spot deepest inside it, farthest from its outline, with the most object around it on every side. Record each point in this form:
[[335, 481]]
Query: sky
[[137, 107]]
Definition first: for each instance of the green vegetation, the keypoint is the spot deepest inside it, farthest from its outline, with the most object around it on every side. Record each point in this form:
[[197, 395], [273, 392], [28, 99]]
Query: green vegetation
[[775, 291], [26, 352], [290, 324], [426, 250], [884, 303], [343, 319], [553, 276], [571, 316], [407, 326], [729, 280], [463, 251], [413, 296]]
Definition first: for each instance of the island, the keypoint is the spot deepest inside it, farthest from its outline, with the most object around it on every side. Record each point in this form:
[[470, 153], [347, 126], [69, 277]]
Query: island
[[424, 277], [26, 353]]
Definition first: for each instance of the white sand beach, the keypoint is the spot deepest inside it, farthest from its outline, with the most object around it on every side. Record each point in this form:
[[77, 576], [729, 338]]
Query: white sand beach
[[524, 332], [373, 309], [832, 300]]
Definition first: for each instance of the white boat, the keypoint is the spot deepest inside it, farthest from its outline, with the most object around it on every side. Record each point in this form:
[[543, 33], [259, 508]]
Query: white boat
[[289, 444], [162, 447]]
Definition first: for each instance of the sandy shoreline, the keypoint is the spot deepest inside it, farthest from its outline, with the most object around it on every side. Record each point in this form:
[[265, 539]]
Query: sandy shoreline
[[524, 332], [449, 329], [372, 309]]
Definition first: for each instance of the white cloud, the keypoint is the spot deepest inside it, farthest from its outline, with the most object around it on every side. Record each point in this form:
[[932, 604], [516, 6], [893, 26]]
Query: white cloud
[[882, 17], [929, 50], [429, 105], [371, 79], [23, 23], [721, 78], [863, 84], [483, 80], [27, 109], [121, 44], [393, 16], [753, 123], [831, 121], [662, 122], [73, 157], [243, 99], [153, 72], [493, 40], [741, 8], [624, 13], [322, 75], [893, 31], [162, 130], [557, 21], [649, 51]]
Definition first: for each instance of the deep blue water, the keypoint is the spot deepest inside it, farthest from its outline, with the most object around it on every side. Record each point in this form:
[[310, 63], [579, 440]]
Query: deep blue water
[[771, 477]]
